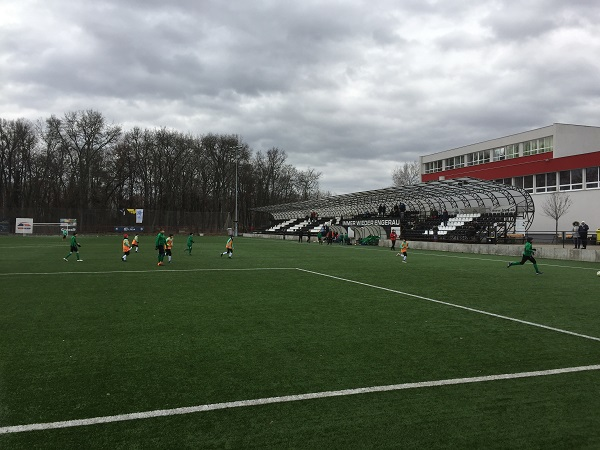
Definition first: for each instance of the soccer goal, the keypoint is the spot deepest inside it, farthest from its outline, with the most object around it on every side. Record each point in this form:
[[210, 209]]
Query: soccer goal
[[54, 228]]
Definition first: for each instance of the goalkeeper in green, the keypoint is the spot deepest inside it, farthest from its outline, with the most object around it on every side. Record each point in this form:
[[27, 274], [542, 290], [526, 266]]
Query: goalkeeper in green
[[74, 248], [528, 253]]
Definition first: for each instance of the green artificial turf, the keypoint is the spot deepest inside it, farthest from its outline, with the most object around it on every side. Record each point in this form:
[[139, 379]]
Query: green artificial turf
[[101, 337]]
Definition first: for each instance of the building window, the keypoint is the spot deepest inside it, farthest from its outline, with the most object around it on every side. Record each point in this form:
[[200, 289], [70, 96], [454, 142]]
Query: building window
[[499, 154], [434, 166], [545, 182], [535, 146], [512, 151], [528, 183], [571, 180], [525, 182], [481, 157], [455, 163], [519, 182], [592, 177]]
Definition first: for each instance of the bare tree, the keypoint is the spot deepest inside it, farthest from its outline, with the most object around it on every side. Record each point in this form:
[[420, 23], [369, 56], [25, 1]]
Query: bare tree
[[556, 206], [307, 183], [409, 173]]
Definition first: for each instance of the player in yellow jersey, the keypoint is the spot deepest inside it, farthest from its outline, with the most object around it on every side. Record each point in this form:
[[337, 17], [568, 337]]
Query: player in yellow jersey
[[228, 247], [168, 247], [403, 250], [126, 248]]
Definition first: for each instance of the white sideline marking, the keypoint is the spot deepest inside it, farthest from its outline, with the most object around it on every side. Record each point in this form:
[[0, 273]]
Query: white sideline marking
[[148, 271], [479, 311], [513, 257], [285, 399]]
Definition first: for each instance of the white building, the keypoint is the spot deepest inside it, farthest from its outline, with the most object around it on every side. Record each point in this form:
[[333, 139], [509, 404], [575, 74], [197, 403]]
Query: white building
[[558, 158]]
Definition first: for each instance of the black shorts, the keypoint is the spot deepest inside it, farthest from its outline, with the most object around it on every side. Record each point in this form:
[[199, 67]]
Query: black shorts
[[161, 249], [168, 252], [74, 249], [126, 253], [524, 259]]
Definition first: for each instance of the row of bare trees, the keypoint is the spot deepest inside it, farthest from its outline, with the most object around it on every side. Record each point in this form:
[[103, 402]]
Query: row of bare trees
[[81, 161]]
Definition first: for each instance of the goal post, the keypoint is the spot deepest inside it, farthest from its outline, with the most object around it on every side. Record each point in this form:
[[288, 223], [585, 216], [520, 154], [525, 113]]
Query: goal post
[[62, 228]]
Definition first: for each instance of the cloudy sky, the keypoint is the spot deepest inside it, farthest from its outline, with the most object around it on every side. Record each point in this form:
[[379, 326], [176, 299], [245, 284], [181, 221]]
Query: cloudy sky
[[350, 88]]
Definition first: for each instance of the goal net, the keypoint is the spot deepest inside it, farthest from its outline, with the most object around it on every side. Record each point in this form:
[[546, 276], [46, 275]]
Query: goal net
[[51, 228]]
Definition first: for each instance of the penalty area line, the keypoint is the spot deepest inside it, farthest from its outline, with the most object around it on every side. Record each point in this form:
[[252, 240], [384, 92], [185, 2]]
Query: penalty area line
[[285, 399], [454, 305]]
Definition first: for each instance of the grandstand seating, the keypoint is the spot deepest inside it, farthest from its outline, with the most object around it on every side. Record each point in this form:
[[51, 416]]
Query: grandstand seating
[[463, 226]]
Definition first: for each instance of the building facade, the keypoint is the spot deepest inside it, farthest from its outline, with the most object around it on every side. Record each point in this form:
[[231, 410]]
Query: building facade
[[558, 158]]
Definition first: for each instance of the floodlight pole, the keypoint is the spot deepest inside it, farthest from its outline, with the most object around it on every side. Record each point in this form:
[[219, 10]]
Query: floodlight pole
[[235, 221]]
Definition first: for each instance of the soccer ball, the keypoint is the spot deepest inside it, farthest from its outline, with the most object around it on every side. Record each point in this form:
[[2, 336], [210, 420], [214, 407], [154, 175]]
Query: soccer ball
[[598, 273]]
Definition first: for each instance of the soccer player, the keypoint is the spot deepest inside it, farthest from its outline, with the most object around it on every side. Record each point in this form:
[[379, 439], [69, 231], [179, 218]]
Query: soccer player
[[126, 248], [135, 243], [403, 250], [168, 247], [74, 248], [190, 241], [228, 247], [159, 244], [528, 253]]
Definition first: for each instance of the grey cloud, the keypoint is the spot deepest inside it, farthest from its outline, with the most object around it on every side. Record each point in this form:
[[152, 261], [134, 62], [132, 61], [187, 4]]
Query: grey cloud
[[335, 85]]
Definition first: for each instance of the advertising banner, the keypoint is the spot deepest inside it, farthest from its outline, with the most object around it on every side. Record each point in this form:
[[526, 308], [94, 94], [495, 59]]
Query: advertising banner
[[24, 225]]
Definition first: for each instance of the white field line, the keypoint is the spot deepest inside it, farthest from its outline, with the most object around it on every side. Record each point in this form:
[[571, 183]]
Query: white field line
[[506, 257], [153, 271], [284, 399], [479, 311]]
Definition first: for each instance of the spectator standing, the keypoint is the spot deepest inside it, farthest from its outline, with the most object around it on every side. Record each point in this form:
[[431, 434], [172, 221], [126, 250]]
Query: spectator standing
[[575, 235], [583, 233], [445, 217], [393, 237]]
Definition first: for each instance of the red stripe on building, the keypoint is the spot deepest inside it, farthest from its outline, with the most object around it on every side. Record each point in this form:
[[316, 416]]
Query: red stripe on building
[[517, 167]]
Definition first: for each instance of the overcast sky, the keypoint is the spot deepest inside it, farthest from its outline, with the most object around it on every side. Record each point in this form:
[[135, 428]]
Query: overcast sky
[[350, 88]]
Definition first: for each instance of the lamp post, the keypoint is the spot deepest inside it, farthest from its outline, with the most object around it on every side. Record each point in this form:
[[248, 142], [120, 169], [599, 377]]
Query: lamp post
[[235, 220]]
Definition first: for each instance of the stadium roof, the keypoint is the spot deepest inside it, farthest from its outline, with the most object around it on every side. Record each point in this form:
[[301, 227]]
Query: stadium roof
[[455, 195]]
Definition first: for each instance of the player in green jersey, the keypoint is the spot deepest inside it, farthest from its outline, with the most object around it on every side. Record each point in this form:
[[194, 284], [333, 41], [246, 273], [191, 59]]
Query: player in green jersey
[[74, 248], [528, 253], [159, 244], [190, 242]]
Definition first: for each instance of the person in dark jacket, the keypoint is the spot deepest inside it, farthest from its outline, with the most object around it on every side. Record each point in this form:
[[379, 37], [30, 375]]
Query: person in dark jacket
[[583, 233]]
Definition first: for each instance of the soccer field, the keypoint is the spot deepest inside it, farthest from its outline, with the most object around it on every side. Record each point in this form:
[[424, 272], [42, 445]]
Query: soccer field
[[290, 345]]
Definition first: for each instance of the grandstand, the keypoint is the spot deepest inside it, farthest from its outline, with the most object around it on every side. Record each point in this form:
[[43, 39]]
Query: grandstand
[[477, 210]]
